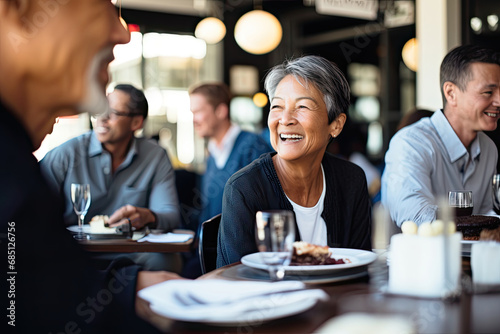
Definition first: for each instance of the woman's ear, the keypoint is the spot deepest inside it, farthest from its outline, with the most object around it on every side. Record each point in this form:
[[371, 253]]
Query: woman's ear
[[337, 125]]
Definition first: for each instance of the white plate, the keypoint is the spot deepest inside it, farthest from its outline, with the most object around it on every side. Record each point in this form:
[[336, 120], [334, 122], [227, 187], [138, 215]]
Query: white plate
[[357, 257], [86, 229], [74, 228], [229, 303], [241, 271], [106, 234], [248, 318]]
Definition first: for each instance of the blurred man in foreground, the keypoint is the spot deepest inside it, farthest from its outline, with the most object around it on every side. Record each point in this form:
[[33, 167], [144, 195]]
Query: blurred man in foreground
[[48, 70]]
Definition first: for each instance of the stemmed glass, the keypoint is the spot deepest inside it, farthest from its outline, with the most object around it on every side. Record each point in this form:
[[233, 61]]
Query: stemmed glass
[[495, 187], [275, 234], [80, 196]]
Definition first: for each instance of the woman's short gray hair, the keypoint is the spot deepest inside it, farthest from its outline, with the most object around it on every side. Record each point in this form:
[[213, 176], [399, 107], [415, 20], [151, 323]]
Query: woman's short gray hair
[[320, 72]]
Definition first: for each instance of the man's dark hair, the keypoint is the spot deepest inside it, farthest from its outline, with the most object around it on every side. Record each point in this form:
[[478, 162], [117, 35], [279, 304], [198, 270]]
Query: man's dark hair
[[455, 67], [138, 103], [216, 93]]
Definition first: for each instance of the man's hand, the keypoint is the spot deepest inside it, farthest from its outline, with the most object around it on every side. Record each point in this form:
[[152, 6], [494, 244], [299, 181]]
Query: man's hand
[[145, 279], [138, 217], [148, 278]]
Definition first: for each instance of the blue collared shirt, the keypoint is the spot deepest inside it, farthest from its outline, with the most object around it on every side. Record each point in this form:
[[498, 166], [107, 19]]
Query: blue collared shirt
[[144, 179], [426, 160]]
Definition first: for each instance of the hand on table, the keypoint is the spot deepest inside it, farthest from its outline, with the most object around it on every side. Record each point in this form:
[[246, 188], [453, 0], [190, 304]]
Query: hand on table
[[145, 279], [138, 216]]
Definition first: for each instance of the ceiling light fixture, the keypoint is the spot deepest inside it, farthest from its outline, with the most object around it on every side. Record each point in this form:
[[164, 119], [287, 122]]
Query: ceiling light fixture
[[410, 54], [258, 32], [211, 30]]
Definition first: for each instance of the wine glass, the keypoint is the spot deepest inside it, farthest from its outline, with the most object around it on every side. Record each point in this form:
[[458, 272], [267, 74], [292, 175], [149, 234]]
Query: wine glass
[[462, 202], [80, 196], [275, 234], [495, 187]]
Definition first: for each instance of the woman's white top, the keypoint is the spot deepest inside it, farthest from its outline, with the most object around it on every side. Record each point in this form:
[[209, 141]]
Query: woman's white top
[[312, 226]]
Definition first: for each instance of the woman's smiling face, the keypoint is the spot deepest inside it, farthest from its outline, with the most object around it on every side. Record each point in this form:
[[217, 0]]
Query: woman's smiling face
[[298, 120]]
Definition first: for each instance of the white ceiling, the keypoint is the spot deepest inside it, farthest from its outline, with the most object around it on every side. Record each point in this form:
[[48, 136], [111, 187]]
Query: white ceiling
[[186, 7]]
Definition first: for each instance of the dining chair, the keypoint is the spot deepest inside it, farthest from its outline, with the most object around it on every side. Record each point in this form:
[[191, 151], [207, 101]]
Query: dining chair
[[208, 243]]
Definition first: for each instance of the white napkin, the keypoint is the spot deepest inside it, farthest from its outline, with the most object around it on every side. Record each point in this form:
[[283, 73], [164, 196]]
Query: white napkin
[[166, 237], [221, 300]]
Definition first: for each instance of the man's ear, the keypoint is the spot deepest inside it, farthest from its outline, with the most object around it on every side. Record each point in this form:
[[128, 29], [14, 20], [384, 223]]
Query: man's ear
[[450, 91], [137, 123], [222, 111]]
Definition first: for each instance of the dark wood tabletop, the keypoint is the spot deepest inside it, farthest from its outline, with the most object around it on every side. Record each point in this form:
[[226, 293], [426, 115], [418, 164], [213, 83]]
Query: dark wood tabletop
[[469, 313], [124, 245]]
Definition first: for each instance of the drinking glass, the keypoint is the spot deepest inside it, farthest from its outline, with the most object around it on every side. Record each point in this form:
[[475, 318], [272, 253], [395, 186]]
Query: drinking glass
[[80, 196], [275, 234], [495, 187], [461, 201]]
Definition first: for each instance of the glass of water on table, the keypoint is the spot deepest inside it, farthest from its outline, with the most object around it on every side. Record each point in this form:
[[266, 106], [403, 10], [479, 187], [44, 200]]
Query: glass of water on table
[[80, 197], [275, 234]]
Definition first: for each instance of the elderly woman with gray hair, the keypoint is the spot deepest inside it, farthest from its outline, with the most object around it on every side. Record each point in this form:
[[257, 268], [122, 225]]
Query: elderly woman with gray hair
[[309, 98]]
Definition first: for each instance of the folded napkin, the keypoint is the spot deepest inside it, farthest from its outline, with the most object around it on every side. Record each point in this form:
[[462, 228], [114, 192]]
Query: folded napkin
[[223, 301], [166, 237]]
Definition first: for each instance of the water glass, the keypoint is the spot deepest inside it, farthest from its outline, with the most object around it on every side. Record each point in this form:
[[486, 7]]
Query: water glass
[[275, 234], [80, 197], [461, 201]]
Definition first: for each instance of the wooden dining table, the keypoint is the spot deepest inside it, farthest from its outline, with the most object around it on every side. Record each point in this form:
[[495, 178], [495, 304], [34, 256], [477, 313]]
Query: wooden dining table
[[470, 312], [132, 245]]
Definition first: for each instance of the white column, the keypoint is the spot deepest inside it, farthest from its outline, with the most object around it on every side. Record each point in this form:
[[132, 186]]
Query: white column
[[438, 31]]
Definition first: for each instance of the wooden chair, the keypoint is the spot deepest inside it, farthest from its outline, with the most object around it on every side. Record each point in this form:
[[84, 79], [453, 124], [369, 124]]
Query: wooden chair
[[208, 243]]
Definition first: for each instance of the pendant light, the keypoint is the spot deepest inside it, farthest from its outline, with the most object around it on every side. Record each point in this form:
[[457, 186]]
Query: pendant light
[[258, 32], [211, 30]]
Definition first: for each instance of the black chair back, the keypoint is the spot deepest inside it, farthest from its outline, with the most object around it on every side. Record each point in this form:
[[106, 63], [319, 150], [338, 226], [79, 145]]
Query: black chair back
[[208, 243]]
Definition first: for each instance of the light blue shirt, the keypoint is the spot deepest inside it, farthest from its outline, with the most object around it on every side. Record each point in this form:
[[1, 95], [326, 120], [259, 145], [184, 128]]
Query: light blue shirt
[[425, 160], [145, 178]]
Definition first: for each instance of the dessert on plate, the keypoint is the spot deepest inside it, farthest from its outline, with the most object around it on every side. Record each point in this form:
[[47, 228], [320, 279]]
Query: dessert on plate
[[306, 254], [98, 225], [471, 226]]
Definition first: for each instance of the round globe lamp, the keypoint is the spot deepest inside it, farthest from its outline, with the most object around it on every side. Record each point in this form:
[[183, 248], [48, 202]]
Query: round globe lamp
[[211, 30], [410, 54], [258, 32], [260, 99]]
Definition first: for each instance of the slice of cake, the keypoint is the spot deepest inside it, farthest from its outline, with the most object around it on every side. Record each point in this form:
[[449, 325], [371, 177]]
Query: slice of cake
[[471, 226], [306, 254]]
